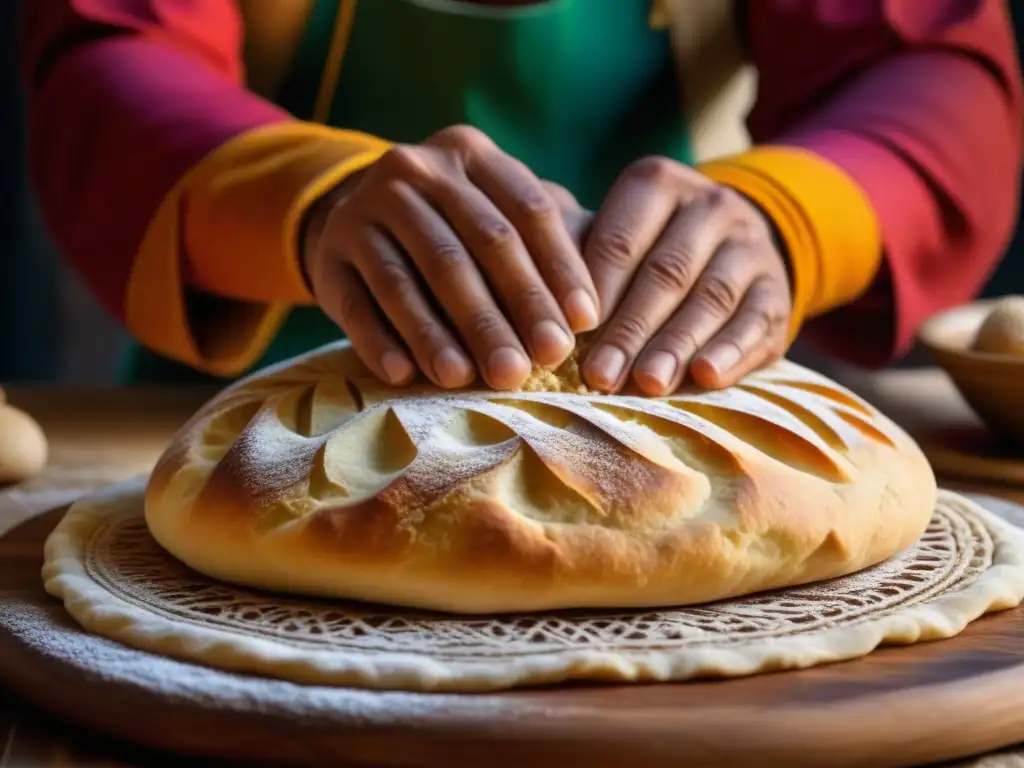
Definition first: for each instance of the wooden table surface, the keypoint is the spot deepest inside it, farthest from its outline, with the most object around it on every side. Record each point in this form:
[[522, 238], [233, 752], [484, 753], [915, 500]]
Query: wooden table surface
[[103, 436]]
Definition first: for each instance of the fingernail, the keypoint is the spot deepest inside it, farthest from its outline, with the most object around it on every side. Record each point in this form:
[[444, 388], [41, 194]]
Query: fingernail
[[397, 367], [550, 342], [452, 368], [723, 358], [606, 365], [508, 367], [581, 311], [661, 368]]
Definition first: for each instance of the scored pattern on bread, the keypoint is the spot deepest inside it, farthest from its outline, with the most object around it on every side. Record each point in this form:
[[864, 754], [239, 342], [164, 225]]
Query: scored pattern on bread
[[584, 458], [313, 476]]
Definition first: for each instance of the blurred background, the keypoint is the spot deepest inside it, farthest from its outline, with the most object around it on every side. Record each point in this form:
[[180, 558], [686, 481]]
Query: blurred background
[[52, 330]]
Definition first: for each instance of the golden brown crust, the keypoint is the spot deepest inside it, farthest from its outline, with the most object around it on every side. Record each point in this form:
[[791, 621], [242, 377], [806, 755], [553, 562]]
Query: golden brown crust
[[314, 477]]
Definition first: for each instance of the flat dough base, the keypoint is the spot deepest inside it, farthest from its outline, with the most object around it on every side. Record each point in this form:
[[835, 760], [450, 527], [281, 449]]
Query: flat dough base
[[117, 582]]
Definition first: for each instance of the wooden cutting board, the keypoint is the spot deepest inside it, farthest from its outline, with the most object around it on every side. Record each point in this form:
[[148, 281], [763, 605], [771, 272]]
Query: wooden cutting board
[[899, 706]]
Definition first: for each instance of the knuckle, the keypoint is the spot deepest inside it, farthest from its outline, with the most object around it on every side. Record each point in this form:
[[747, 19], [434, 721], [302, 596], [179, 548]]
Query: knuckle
[[629, 331], [719, 197], [670, 270], [394, 277], [427, 335], [775, 324], [718, 294], [654, 168], [532, 297], [614, 247], [678, 341], [402, 160], [446, 256], [562, 272], [497, 238], [463, 137], [396, 189], [485, 323], [747, 222], [535, 205], [777, 315], [393, 287], [398, 193]]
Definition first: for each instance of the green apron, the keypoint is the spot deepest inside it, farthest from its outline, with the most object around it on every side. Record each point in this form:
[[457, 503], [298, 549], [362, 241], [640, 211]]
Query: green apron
[[576, 89]]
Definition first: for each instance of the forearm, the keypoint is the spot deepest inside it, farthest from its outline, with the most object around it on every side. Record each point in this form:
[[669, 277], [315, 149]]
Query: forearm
[[159, 174], [910, 118], [933, 139], [103, 163], [121, 106]]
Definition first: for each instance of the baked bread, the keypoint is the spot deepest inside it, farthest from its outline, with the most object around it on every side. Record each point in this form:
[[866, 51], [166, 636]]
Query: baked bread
[[1002, 332], [314, 477], [23, 445]]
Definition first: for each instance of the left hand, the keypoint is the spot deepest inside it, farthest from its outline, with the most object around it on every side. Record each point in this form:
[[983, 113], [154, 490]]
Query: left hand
[[689, 280]]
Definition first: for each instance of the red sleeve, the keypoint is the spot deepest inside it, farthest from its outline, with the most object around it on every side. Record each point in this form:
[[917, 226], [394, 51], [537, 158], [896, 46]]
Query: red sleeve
[[919, 103], [123, 99]]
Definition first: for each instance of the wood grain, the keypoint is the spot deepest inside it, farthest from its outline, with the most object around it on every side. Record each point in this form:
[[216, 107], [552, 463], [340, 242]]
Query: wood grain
[[899, 706]]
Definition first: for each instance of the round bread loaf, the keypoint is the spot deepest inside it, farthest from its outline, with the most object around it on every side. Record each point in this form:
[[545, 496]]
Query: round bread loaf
[[313, 477], [23, 445], [1002, 332]]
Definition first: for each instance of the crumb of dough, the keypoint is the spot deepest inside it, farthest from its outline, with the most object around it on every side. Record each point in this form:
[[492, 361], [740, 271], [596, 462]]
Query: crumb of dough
[[565, 377], [1002, 333]]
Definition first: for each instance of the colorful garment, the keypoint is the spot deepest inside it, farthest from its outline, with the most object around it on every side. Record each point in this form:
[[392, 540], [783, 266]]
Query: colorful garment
[[887, 140]]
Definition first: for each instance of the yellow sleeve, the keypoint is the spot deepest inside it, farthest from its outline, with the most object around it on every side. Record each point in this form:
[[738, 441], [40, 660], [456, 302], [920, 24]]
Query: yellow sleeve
[[828, 225], [230, 228]]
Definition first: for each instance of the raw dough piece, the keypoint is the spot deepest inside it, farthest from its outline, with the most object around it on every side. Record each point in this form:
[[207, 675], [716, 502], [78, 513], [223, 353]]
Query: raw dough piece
[[313, 477], [1002, 333], [23, 446]]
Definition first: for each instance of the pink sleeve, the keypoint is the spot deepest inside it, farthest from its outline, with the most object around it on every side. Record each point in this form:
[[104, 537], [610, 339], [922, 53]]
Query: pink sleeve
[[919, 103], [123, 99]]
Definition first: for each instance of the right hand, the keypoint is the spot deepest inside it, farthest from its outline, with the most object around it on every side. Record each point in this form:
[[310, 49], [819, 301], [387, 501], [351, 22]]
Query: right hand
[[451, 256]]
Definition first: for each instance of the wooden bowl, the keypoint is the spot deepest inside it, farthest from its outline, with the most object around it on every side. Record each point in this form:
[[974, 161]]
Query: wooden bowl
[[992, 384]]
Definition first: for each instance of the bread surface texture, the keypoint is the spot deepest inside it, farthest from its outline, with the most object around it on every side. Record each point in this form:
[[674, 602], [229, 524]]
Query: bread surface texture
[[315, 478]]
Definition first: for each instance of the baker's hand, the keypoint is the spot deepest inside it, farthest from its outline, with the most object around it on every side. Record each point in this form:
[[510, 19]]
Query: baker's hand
[[451, 256], [691, 279]]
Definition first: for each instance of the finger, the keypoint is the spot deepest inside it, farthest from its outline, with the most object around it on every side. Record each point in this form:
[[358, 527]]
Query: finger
[[563, 198], [711, 303], [577, 219], [497, 248], [578, 222], [394, 285], [536, 216], [347, 301], [756, 335], [460, 289], [633, 215], [662, 282]]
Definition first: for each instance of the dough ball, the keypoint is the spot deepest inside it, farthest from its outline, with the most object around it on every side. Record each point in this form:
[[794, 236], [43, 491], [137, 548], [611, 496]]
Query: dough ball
[[23, 447], [1002, 333]]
